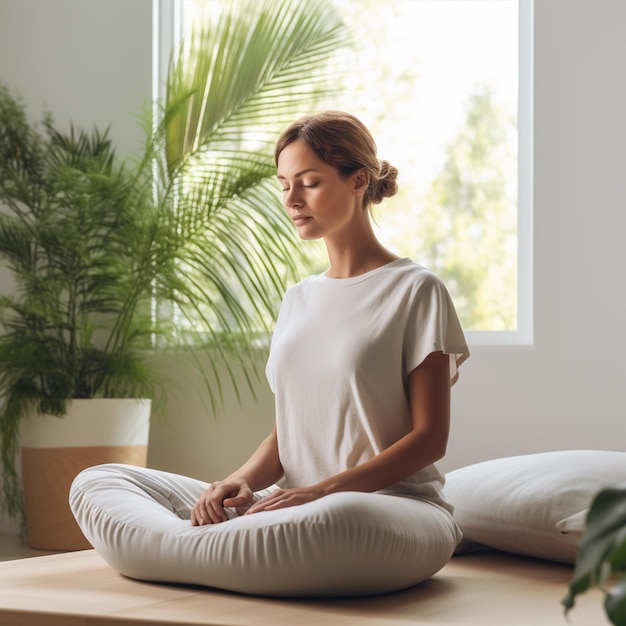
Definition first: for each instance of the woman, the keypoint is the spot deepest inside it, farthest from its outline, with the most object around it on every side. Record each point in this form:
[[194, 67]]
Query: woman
[[361, 364]]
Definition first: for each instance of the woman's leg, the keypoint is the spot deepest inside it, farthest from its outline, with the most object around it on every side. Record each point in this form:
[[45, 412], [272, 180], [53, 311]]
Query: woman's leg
[[344, 544], [138, 519]]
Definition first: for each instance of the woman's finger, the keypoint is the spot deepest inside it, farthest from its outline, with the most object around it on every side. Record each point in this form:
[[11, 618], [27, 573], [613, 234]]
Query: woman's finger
[[203, 511]]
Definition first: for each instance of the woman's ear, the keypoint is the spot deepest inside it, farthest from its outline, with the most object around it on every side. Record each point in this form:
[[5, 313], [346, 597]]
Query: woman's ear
[[361, 180]]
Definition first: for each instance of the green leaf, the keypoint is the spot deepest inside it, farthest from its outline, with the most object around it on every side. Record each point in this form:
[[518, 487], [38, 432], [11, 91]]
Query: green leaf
[[615, 603], [602, 552]]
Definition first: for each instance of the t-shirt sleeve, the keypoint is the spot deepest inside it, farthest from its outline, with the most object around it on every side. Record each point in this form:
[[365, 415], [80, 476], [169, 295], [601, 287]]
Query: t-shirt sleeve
[[432, 325]]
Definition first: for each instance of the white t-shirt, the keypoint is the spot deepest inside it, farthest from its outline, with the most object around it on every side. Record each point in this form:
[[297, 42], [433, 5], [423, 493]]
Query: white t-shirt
[[339, 360]]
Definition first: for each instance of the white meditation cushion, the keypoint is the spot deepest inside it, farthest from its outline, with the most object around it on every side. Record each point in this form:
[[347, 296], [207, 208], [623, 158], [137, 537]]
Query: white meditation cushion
[[533, 504], [348, 543]]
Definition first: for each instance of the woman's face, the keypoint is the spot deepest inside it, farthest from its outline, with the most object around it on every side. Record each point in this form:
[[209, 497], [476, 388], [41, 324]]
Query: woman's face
[[318, 200]]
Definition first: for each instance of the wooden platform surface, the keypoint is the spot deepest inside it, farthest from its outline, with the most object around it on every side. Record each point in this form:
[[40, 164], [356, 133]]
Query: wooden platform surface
[[482, 589]]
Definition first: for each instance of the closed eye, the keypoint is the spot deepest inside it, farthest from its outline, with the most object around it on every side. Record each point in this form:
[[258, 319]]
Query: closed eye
[[311, 186]]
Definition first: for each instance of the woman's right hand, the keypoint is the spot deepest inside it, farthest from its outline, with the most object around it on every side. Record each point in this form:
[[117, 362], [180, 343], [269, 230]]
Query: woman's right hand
[[209, 509]]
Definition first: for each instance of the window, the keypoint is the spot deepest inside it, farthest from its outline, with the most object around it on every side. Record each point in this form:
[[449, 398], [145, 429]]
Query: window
[[445, 87]]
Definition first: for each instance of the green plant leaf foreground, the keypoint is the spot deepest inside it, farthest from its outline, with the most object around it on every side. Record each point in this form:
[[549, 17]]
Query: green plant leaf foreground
[[615, 603], [601, 555]]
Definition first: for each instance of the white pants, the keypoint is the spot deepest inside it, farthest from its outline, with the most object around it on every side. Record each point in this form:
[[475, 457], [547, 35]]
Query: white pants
[[347, 543]]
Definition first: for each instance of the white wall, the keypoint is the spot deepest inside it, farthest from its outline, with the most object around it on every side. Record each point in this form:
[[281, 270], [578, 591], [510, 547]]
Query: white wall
[[87, 62], [90, 61]]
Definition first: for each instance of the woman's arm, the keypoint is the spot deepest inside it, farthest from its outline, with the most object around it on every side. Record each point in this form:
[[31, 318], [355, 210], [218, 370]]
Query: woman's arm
[[429, 400], [261, 470]]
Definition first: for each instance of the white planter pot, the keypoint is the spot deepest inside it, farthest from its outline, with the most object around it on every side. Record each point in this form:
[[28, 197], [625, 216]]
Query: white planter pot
[[55, 449]]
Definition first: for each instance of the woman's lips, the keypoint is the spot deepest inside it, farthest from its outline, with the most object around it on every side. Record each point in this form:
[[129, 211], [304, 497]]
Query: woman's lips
[[299, 220]]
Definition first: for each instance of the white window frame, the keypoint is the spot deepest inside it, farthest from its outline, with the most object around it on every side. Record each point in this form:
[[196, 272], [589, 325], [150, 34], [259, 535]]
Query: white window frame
[[523, 335], [167, 32]]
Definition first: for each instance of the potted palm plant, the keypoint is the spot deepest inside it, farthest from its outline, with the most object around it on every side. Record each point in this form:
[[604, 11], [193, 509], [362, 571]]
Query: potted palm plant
[[78, 321], [186, 247]]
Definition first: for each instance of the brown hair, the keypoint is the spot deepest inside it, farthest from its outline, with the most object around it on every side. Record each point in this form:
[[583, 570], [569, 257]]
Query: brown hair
[[343, 141]]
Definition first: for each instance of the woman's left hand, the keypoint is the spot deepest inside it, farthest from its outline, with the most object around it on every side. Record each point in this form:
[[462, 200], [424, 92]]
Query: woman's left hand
[[283, 498]]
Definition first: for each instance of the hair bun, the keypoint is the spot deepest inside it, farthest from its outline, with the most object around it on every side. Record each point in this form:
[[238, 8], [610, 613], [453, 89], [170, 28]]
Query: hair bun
[[385, 186]]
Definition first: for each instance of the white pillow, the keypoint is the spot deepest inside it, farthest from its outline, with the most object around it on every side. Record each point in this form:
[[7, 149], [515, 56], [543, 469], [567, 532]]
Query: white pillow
[[533, 504]]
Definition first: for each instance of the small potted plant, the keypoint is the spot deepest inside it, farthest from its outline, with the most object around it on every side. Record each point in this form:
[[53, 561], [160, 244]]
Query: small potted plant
[[185, 247]]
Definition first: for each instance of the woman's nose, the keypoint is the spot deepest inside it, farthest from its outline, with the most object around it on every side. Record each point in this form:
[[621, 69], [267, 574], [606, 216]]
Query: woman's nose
[[292, 198]]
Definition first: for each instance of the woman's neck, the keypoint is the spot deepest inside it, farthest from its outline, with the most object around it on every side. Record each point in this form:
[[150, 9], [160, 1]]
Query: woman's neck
[[350, 261]]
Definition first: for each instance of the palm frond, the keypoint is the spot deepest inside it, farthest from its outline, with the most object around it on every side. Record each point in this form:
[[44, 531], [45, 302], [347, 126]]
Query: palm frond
[[233, 86], [260, 64]]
